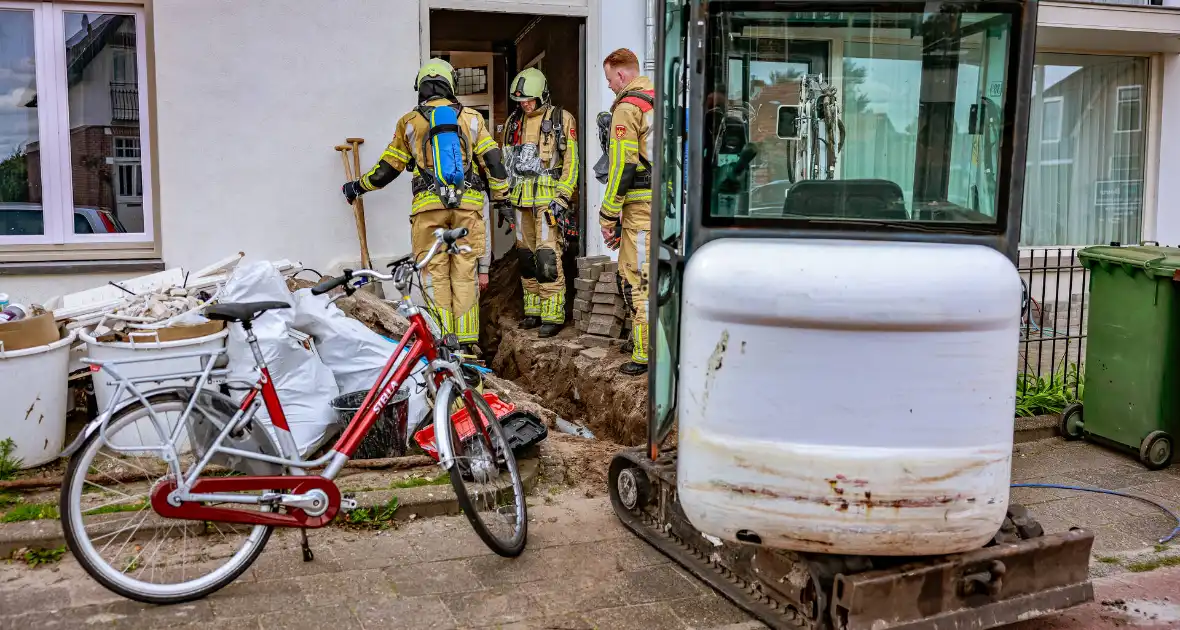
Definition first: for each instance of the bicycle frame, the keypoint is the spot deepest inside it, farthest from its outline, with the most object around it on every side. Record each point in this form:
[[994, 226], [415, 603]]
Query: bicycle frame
[[185, 495]]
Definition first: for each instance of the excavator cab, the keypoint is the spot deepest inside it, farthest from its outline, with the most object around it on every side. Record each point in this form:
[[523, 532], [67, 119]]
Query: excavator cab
[[835, 311]]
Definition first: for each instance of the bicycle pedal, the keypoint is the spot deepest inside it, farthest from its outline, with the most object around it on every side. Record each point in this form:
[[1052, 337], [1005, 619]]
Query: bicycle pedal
[[347, 502]]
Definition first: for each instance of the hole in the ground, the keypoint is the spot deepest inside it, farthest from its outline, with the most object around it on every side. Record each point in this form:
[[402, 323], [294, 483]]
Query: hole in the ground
[[583, 389]]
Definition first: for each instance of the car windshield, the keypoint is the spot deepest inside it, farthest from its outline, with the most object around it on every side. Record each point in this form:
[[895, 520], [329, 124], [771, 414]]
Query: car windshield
[[865, 116]]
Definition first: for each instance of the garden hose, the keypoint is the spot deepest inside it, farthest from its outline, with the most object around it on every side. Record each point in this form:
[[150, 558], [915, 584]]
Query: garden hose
[[1116, 493]]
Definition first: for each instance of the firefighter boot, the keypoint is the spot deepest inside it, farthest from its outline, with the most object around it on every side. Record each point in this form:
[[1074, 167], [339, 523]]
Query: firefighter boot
[[530, 322], [549, 330], [632, 368]]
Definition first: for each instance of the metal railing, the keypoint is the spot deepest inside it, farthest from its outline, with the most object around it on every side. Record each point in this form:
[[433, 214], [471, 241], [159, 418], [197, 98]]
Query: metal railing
[[1053, 325], [124, 101]]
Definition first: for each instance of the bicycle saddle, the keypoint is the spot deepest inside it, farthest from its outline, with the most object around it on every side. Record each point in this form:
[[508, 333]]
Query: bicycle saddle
[[243, 312]]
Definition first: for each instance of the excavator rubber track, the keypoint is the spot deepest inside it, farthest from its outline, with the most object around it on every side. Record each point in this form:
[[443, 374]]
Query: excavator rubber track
[[987, 588]]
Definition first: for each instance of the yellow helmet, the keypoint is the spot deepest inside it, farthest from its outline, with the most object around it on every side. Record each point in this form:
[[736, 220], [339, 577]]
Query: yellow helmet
[[436, 67], [530, 84]]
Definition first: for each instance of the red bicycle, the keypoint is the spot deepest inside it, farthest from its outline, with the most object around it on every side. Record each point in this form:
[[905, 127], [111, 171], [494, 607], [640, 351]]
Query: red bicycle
[[202, 484]]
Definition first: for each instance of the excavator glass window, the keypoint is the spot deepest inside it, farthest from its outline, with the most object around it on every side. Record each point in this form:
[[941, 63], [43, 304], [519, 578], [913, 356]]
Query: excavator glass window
[[893, 113]]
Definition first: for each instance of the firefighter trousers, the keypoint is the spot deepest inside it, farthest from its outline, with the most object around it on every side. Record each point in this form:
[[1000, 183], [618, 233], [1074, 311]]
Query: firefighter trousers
[[452, 280], [539, 247], [633, 255]]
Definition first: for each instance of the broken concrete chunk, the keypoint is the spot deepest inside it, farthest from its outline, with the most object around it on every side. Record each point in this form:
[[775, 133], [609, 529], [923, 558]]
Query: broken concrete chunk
[[178, 292], [606, 287]]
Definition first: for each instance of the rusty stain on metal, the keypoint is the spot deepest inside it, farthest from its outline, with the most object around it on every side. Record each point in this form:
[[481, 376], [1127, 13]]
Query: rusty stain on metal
[[842, 504], [32, 406]]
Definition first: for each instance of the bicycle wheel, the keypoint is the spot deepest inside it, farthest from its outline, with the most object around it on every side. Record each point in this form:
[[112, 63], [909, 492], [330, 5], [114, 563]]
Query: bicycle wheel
[[119, 540], [486, 479]]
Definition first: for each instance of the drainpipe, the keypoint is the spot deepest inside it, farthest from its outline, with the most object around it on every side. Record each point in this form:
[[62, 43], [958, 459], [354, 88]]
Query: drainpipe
[[649, 21]]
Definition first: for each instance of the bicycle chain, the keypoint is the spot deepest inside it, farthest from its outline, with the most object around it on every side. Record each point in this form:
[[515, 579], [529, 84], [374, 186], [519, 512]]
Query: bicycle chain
[[751, 591]]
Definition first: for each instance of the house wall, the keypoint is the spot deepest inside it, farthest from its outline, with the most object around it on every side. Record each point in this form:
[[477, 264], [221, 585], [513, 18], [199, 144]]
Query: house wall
[[247, 127]]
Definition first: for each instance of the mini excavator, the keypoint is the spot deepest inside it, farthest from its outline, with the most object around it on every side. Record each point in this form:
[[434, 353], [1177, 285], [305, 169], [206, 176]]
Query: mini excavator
[[834, 343]]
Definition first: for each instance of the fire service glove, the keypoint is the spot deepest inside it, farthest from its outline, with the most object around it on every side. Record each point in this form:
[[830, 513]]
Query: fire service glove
[[352, 190], [505, 214], [565, 223]]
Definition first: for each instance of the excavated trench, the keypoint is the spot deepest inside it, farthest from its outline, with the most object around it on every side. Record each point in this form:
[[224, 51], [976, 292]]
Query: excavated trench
[[556, 372]]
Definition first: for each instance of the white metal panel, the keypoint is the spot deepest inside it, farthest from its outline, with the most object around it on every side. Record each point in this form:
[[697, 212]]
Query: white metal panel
[[852, 398]]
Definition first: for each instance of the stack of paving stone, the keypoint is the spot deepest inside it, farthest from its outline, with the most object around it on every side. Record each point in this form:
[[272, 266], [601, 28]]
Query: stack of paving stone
[[599, 309]]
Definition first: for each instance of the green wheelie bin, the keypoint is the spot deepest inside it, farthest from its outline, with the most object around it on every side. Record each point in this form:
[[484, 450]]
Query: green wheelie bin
[[1132, 380]]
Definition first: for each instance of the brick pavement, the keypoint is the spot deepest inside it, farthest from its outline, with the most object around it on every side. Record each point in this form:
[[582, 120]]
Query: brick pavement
[[582, 570]]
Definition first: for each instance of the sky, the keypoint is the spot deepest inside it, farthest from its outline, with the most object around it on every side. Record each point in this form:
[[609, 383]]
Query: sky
[[18, 124]]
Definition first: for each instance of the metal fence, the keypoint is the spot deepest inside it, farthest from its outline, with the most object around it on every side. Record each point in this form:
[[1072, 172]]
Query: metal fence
[[1053, 326]]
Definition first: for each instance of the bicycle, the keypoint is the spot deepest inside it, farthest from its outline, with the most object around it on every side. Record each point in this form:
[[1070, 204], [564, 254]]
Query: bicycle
[[221, 468]]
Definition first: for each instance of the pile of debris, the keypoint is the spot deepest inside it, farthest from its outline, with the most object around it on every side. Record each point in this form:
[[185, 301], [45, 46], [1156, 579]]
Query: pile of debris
[[154, 307], [599, 307]]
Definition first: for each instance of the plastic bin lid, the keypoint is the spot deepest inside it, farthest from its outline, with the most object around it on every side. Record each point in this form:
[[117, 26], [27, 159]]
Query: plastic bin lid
[[1152, 259]]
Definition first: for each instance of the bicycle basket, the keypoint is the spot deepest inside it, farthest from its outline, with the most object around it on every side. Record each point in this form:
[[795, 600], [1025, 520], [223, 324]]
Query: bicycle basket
[[209, 415]]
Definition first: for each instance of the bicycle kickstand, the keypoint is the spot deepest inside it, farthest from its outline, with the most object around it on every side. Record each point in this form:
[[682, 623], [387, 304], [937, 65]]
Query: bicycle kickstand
[[308, 556]]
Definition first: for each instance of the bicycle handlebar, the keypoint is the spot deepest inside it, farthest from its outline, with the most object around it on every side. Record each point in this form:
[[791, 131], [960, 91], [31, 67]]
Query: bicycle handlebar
[[331, 283], [400, 266]]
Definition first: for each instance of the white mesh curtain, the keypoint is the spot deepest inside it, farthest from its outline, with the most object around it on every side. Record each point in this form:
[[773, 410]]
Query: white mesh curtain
[[1087, 137]]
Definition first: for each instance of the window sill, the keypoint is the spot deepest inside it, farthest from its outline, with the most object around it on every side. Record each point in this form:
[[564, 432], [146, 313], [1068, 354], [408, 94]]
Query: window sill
[[53, 268]]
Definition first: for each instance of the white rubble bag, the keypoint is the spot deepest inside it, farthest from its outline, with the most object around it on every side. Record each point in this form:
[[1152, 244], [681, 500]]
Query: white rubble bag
[[305, 385], [354, 353]]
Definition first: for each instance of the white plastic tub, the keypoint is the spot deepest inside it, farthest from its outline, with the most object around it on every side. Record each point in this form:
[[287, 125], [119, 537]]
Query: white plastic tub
[[144, 433], [35, 396], [848, 397]]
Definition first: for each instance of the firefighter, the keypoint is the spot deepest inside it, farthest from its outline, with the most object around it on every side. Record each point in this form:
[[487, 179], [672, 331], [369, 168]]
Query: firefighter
[[541, 155], [625, 217], [452, 282]]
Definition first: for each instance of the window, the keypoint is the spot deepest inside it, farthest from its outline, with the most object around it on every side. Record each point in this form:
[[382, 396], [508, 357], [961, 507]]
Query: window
[[1129, 108], [1051, 119], [1087, 187], [471, 81], [72, 119], [849, 117]]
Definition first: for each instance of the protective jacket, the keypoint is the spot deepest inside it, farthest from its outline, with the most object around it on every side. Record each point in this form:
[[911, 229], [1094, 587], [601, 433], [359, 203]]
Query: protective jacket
[[409, 149], [630, 150], [541, 151]]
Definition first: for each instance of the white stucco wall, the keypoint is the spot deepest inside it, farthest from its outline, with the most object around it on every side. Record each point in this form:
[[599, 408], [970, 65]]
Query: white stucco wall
[[252, 97], [620, 26], [1167, 215]]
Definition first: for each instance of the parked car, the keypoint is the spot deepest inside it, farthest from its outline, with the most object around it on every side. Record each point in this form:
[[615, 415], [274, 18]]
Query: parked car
[[27, 219]]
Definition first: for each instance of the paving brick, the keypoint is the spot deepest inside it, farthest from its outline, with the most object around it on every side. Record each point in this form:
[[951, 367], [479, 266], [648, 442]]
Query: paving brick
[[584, 285], [578, 314], [612, 331], [607, 276], [596, 354], [348, 586], [642, 617], [609, 288], [587, 261], [585, 296], [583, 324], [581, 304], [321, 616], [708, 611], [451, 576], [594, 341], [492, 607], [616, 310], [589, 273], [610, 267], [241, 599], [606, 298], [419, 613]]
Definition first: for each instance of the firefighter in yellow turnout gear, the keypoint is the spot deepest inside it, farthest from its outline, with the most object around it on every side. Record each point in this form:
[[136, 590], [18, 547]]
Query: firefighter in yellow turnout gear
[[625, 216], [451, 281], [541, 155]]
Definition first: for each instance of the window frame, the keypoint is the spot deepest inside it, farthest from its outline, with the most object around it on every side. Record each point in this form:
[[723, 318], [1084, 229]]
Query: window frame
[[53, 119], [1060, 100], [1118, 101]]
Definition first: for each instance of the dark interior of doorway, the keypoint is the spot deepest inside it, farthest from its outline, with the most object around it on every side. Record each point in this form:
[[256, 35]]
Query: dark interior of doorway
[[515, 41]]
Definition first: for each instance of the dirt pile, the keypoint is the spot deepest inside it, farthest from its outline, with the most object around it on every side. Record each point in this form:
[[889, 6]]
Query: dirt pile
[[501, 304], [582, 389]]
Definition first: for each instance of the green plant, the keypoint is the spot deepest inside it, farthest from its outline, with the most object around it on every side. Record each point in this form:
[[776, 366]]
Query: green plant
[[372, 517], [35, 557], [1152, 564], [8, 499], [415, 482], [30, 512], [116, 508], [9, 465], [1036, 396]]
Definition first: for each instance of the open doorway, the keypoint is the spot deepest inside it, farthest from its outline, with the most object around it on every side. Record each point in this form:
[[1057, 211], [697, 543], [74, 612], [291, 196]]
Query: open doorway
[[488, 49]]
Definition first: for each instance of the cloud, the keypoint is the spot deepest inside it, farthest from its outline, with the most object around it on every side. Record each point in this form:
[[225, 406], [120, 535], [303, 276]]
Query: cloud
[[16, 98]]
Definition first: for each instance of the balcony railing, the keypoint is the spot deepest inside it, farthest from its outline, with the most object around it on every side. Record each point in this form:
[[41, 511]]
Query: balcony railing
[[124, 102]]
